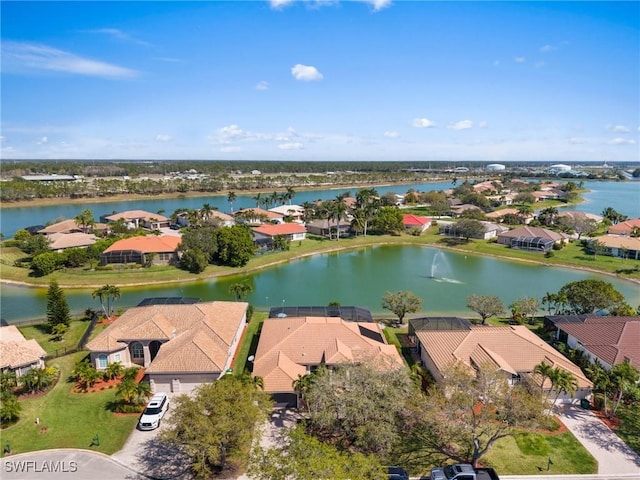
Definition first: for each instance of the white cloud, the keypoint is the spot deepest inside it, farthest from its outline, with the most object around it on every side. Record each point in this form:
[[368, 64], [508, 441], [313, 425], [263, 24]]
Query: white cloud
[[548, 48], [161, 137], [290, 146], [621, 141], [461, 125], [422, 123], [378, 4], [390, 134], [262, 85], [618, 128], [576, 141], [278, 4], [2, 138], [42, 140], [483, 124], [19, 57], [306, 73], [519, 59], [230, 149], [119, 35], [539, 64]]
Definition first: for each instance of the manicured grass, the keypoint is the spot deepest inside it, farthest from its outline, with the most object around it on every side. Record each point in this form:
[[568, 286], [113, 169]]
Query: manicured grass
[[72, 420], [528, 454], [398, 336], [629, 430], [249, 343], [41, 334]]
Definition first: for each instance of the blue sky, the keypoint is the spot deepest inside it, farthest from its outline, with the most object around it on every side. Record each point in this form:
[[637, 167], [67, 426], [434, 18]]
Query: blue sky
[[321, 80]]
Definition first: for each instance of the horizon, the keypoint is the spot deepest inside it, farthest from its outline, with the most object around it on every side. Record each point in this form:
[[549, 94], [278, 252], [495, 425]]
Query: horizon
[[317, 81]]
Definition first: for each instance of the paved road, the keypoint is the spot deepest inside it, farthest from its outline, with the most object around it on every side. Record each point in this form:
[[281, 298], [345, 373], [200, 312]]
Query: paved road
[[612, 454]]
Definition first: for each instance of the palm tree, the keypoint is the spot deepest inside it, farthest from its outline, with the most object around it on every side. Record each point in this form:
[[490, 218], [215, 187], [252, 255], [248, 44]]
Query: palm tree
[[336, 212], [113, 370], [548, 215], [106, 293], [546, 372], [85, 219], [302, 385], [240, 290], [564, 382], [601, 380], [258, 199], [206, 211], [290, 193], [231, 197], [366, 206]]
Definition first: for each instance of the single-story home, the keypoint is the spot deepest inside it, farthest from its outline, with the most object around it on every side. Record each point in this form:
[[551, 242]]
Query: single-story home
[[291, 347], [179, 346], [491, 230], [295, 212], [291, 231], [69, 226], [224, 219], [620, 245], [532, 238], [625, 228], [609, 340], [513, 350], [257, 216], [139, 219], [61, 241], [18, 354], [160, 250], [457, 210], [415, 221], [499, 214], [323, 228], [577, 215]]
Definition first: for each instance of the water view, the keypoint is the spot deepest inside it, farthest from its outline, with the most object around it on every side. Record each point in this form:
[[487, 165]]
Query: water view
[[442, 279]]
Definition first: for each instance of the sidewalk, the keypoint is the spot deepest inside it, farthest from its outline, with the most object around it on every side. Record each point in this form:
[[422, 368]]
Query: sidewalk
[[612, 454]]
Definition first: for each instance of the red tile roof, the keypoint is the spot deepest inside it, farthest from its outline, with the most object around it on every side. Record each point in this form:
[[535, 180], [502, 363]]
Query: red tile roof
[[414, 220], [148, 244], [625, 228], [280, 229]]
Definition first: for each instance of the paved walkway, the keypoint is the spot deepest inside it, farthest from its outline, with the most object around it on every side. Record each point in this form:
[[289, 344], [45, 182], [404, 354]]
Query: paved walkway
[[612, 454]]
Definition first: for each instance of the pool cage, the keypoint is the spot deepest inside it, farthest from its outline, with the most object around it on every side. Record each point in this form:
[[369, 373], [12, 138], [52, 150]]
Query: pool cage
[[536, 244]]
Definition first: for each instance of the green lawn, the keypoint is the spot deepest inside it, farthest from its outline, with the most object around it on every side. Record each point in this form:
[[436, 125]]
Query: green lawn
[[72, 420], [398, 336], [629, 430], [529, 453], [41, 334], [249, 343]]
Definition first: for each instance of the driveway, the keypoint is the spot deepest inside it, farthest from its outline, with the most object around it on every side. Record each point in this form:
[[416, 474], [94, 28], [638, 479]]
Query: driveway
[[612, 454]]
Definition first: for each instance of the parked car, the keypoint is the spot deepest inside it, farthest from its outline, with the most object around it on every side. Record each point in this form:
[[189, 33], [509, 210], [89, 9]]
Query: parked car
[[397, 473], [153, 413], [463, 471]]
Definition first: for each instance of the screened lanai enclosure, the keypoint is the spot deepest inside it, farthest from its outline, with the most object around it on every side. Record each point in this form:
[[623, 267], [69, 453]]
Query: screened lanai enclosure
[[537, 244]]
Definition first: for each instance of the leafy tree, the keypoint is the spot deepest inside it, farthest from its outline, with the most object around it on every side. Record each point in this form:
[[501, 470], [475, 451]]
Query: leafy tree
[[468, 228], [202, 239], [524, 197], [473, 214], [57, 306], [548, 215], [614, 217], [235, 245], [85, 220], [524, 307], [387, 220], [8, 380], [240, 290], [477, 199], [401, 303], [10, 408], [463, 416], [85, 375], [38, 379], [35, 245], [75, 257], [214, 426], [280, 242], [588, 296], [485, 305], [580, 225], [194, 260], [304, 457], [107, 295], [45, 263], [359, 407], [58, 331], [624, 377]]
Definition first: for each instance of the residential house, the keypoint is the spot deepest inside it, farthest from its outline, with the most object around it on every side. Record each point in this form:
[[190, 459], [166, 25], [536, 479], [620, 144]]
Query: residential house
[[61, 241], [620, 245], [222, 219], [415, 222], [625, 228], [609, 340], [291, 347], [159, 250], [179, 346], [458, 210], [532, 238], [294, 212], [65, 226], [324, 228], [512, 350], [18, 354], [576, 215], [499, 214], [291, 232], [451, 229], [551, 194], [257, 216], [139, 219]]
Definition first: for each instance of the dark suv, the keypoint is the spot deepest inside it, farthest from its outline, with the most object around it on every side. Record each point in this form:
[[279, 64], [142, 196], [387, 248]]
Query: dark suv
[[397, 473]]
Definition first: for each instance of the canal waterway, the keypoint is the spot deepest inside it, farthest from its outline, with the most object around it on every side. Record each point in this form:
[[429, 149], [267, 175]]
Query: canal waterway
[[443, 279]]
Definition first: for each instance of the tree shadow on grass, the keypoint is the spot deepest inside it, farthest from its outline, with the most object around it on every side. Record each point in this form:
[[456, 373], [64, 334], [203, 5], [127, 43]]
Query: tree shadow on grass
[[453, 242]]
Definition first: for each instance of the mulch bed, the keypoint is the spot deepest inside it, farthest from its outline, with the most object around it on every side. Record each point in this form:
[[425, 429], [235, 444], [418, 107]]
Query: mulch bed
[[106, 384], [613, 423]]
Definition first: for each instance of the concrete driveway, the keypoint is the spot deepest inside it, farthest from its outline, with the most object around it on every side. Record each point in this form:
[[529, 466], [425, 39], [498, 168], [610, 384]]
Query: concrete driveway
[[612, 454]]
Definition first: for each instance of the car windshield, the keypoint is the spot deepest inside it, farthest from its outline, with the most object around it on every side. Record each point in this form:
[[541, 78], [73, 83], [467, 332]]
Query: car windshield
[[449, 471], [152, 410]]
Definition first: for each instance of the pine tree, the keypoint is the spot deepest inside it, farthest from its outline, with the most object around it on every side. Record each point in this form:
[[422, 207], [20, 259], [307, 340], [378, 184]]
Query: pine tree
[[57, 306]]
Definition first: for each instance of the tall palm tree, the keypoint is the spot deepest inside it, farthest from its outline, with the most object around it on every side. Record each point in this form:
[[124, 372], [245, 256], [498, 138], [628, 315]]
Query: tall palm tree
[[240, 290], [206, 211], [336, 212], [601, 380], [565, 382], [366, 206], [85, 219], [546, 372], [231, 197], [107, 293], [289, 194], [258, 198]]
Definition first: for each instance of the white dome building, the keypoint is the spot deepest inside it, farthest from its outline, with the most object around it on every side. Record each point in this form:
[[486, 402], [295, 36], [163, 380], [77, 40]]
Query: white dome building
[[559, 168], [495, 167]]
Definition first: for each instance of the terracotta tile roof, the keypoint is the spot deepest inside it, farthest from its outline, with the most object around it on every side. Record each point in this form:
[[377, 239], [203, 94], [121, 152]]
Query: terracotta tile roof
[[288, 345], [611, 339], [16, 351], [61, 227], [534, 232], [196, 337], [259, 212], [70, 240], [625, 227], [414, 220], [619, 241], [147, 244], [513, 349], [220, 215], [280, 229], [503, 212], [136, 214]]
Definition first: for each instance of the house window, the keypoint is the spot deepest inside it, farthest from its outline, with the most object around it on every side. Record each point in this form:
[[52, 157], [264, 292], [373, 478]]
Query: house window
[[137, 351], [116, 357], [102, 361]]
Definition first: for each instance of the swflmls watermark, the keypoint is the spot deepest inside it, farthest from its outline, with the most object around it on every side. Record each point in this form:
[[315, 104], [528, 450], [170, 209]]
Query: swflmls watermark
[[45, 466]]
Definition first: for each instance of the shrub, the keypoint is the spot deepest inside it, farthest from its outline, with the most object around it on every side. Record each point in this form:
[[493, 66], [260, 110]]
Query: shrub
[[549, 254]]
